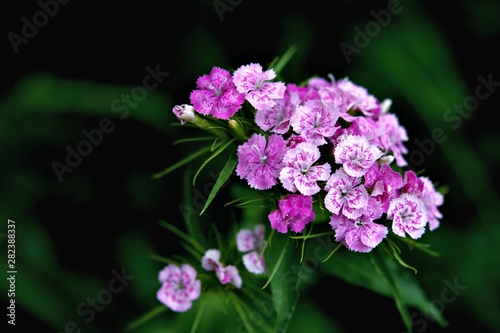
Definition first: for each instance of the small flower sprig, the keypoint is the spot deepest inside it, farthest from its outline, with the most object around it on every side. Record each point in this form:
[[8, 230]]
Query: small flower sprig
[[323, 154]]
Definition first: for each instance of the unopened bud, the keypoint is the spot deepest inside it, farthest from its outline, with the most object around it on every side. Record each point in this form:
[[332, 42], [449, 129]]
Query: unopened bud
[[386, 159], [237, 129], [385, 105], [184, 112]]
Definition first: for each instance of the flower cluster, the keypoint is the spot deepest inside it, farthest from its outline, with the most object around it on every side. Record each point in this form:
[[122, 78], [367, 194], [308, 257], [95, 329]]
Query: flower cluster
[[327, 144]]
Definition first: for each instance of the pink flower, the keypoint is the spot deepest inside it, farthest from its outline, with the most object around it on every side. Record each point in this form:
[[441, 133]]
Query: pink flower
[[252, 81], [356, 154], [431, 199], [277, 118], [314, 121], [383, 182], [336, 100], [225, 274], [294, 212], [179, 287], [393, 137], [412, 184], [361, 234], [298, 171], [345, 195], [216, 94], [367, 127], [252, 242], [408, 215], [260, 162], [359, 98]]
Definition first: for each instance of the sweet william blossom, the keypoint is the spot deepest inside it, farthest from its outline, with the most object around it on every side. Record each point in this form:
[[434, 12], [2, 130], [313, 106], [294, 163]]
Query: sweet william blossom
[[225, 273], [356, 154], [251, 241], [346, 195], [216, 95], [254, 83], [300, 173], [315, 122], [179, 287], [294, 212], [432, 199], [393, 138], [277, 118], [408, 215], [259, 161], [363, 233]]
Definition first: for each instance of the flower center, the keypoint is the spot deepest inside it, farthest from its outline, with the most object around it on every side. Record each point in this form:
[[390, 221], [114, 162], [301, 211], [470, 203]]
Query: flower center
[[220, 89], [259, 83], [262, 157]]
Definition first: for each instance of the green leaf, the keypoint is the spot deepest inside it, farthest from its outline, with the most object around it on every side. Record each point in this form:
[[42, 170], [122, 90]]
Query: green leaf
[[219, 150], [146, 317], [223, 177], [190, 218], [196, 139], [279, 63], [357, 269], [182, 162], [387, 275], [184, 236], [285, 279]]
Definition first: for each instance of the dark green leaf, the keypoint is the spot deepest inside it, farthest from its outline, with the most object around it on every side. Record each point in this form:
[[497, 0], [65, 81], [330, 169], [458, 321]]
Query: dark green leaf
[[223, 177]]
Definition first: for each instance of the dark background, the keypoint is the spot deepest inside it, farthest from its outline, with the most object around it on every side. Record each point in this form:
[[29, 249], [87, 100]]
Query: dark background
[[92, 220]]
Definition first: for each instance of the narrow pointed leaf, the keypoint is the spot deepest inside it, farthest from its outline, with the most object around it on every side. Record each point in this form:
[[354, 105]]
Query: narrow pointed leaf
[[182, 162], [223, 177], [219, 150]]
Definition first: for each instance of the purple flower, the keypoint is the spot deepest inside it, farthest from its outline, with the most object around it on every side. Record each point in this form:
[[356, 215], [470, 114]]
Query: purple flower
[[293, 212], [361, 234], [408, 215], [216, 94], [359, 98], [431, 199], [367, 127], [260, 163], [252, 81], [225, 273], [277, 118], [383, 182], [345, 195], [252, 242], [298, 171], [179, 287], [337, 100], [412, 184], [314, 121], [356, 154], [393, 137]]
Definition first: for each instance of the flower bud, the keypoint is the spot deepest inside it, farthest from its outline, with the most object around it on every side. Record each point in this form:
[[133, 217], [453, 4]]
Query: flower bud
[[184, 112], [237, 129], [385, 105]]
